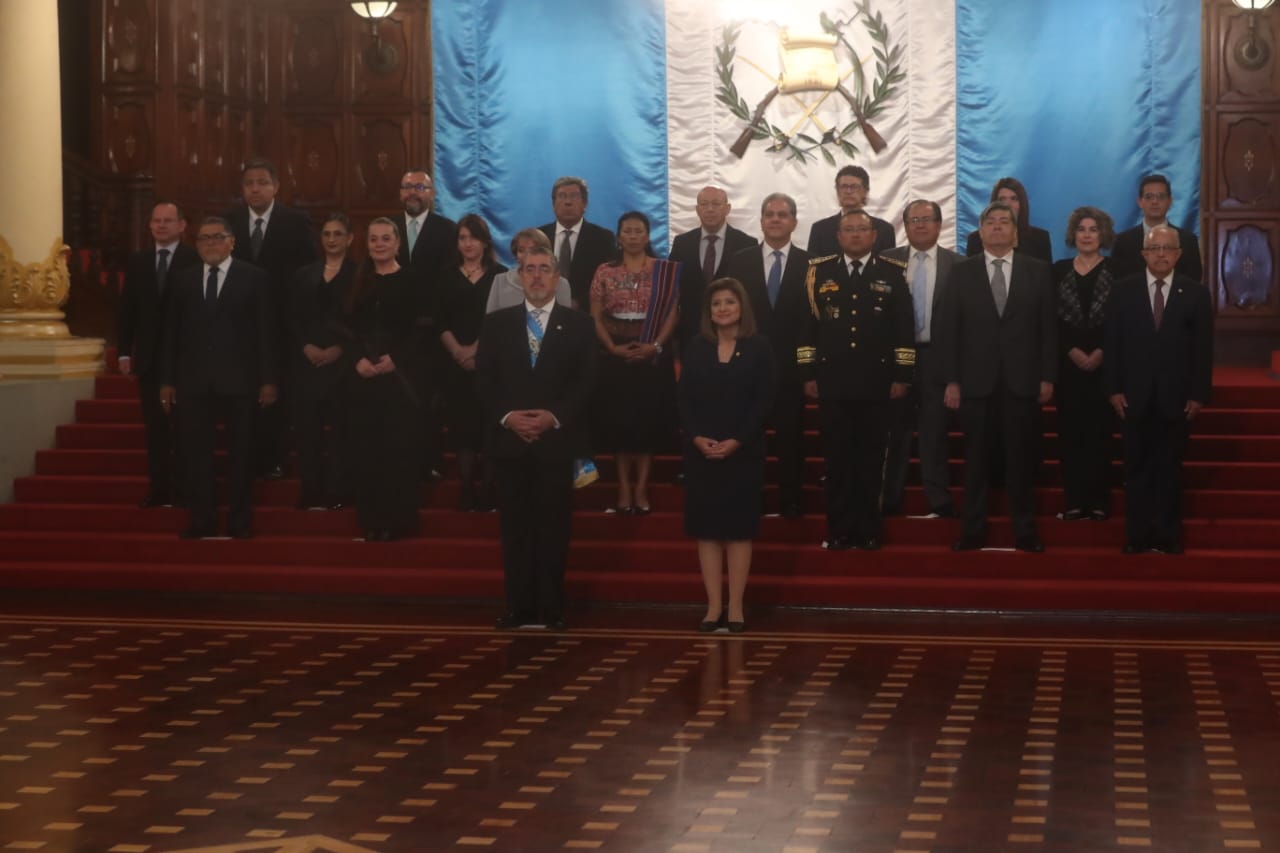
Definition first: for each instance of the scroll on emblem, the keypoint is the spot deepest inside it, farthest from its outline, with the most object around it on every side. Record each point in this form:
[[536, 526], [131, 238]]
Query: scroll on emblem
[[808, 62]]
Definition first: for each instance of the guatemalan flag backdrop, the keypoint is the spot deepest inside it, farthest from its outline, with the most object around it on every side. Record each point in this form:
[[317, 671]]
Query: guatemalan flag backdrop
[[645, 100]]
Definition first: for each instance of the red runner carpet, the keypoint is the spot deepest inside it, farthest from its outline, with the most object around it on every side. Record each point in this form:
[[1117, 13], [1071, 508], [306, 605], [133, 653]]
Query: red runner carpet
[[75, 524]]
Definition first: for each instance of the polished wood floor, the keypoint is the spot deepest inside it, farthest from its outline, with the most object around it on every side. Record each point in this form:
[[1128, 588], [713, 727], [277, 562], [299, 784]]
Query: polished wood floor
[[175, 724]]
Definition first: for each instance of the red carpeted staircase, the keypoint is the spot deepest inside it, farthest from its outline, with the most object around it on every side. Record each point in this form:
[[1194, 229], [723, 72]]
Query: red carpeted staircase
[[75, 525]]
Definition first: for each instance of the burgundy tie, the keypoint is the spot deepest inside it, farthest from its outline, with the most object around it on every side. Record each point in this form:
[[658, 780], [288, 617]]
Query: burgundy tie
[[1157, 304], [709, 259]]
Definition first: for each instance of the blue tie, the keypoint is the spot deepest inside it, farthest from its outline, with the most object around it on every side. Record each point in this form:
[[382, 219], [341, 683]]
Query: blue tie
[[919, 286], [774, 284], [413, 234], [211, 288], [535, 334]]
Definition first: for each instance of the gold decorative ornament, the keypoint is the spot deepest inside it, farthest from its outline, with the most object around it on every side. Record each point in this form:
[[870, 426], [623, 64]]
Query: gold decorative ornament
[[32, 294]]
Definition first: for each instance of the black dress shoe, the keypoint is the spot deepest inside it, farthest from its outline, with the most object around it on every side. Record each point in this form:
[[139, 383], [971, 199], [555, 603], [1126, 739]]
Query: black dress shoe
[[947, 511], [507, 621], [1134, 548], [791, 510], [554, 623], [837, 543], [965, 543], [1174, 547], [1029, 544], [198, 533], [240, 533], [871, 543], [152, 501], [642, 510], [1071, 515], [707, 626], [1098, 515], [275, 472], [337, 504]]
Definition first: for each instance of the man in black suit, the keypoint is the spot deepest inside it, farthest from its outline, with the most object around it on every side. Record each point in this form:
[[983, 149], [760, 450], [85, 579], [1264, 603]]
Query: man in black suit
[[857, 357], [704, 254], [996, 334], [773, 276], [1159, 374], [580, 246], [852, 185], [219, 360], [928, 267], [279, 240], [1155, 197], [535, 367], [147, 284]]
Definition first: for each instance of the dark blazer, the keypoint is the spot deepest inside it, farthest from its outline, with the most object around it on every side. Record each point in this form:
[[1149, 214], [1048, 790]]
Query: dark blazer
[[313, 318], [977, 346], [140, 322], [727, 401], [946, 260], [560, 382], [1164, 368], [686, 248], [1126, 254], [782, 325], [1038, 245], [823, 240], [288, 244], [431, 251], [595, 246], [225, 351]]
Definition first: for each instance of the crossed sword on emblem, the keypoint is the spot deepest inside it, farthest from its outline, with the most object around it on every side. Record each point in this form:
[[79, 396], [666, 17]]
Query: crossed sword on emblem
[[739, 148]]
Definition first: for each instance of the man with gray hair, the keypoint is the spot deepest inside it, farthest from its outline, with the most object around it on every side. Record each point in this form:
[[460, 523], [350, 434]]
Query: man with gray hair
[[580, 246]]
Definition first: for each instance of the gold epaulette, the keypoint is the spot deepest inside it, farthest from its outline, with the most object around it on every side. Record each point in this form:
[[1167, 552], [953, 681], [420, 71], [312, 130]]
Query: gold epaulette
[[809, 278], [894, 261], [806, 355], [822, 260], [904, 356]]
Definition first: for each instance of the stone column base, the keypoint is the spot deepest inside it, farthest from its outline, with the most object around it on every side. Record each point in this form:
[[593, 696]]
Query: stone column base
[[50, 358]]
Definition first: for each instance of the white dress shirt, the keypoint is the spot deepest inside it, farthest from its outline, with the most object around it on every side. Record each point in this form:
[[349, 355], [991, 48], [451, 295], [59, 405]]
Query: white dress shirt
[[930, 282]]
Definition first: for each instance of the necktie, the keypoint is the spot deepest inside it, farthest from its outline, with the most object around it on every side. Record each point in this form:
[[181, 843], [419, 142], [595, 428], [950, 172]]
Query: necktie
[[1157, 304], [774, 284], [534, 324], [855, 269], [709, 259], [413, 234], [211, 288], [566, 253], [162, 268], [999, 290], [255, 239], [919, 288]]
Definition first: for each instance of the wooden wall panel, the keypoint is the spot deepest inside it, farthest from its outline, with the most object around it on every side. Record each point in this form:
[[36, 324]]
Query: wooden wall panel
[[129, 29], [187, 24], [381, 158], [128, 143], [316, 162], [1248, 159], [1237, 82], [313, 57], [1248, 274], [370, 86]]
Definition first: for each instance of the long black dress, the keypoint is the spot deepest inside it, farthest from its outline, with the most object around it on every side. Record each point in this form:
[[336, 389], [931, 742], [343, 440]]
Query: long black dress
[[1085, 418], [722, 401], [384, 411], [462, 304]]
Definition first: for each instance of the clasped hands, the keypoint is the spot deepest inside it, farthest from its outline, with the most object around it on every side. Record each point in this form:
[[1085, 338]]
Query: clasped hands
[[715, 449], [530, 424], [369, 369], [465, 356], [321, 356], [635, 351]]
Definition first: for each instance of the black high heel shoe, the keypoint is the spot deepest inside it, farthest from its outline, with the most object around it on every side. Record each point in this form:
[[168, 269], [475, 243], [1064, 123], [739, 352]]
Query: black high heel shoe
[[707, 626]]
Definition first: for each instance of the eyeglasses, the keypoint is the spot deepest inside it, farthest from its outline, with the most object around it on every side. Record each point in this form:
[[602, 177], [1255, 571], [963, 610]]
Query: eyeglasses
[[1154, 196], [537, 269], [211, 238], [921, 220], [419, 187], [855, 229], [1158, 249], [850, 187], [712, 204]]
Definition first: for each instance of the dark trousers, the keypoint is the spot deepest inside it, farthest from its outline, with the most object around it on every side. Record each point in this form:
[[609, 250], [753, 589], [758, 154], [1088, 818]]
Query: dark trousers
[[535, 503], [385, 454], [163, 474], [198, 415], [921, 410], [1085, 421], [999, 419], [855, 435], [787, 420], [318, 430], [269, 432], [1153, 449]]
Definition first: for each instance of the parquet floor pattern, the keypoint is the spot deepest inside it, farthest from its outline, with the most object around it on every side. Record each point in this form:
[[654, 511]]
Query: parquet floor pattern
[[143, 735]]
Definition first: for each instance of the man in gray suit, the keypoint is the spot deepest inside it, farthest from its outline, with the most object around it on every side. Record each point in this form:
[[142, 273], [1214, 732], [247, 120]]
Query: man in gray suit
[[928, 266]]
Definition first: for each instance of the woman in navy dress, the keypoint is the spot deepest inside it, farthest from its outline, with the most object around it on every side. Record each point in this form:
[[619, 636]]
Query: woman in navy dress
[[726, 389]]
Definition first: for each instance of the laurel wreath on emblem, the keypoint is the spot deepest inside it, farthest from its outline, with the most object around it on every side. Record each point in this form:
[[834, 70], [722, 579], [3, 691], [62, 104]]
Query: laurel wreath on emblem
[[866, 105]]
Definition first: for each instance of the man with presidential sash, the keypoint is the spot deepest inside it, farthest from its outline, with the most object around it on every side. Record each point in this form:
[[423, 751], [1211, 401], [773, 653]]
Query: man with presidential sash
[[857, 355]]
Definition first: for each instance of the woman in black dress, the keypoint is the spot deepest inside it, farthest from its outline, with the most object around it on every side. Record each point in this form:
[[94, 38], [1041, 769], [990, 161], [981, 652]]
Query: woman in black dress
[[316, 356], [726, 389], [1085, 419], [1031, 240], [384, 355], [464, 292]]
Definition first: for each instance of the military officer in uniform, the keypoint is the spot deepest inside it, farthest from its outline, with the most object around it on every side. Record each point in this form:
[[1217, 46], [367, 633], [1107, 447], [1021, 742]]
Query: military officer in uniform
[[857, 355]]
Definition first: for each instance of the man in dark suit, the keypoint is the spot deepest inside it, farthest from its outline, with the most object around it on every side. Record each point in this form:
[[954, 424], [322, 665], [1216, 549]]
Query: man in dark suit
[[856, 357], [773, 276], [1155, 197], [928, 267], [852, 185], [279, 240], [996, 335], [219, 360], [147, 284], [535, 368], [1159, 374], [704, 254], [580, 246]]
